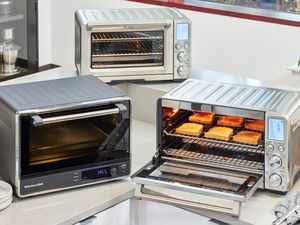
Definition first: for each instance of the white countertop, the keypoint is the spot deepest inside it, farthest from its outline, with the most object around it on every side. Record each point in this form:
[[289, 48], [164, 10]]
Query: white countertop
[[71, 206], [66, 207]]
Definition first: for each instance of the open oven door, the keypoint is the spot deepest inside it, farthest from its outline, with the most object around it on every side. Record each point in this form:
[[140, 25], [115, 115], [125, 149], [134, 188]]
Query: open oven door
[[195, 187]]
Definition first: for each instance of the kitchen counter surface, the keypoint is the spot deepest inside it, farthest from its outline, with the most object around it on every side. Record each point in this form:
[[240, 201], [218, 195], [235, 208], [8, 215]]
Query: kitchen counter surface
[[71, 206], [66, 207]]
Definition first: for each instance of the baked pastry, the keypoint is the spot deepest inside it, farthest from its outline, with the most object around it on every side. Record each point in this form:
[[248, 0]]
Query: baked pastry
[[231, 121], [202, 117], [247, 137], [193, 129], [220, 133], [257, 125]]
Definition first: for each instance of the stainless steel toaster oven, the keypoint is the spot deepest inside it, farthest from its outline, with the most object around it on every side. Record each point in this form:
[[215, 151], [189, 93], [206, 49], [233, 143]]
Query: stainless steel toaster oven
[[229, 169], [62, 134], [133, 44]]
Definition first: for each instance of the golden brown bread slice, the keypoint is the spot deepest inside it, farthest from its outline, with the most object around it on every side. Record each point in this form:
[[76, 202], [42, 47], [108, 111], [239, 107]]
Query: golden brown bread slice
[[202, 117], [258, 125], [247, 137], [193, 129], [231, 121], [220, 133]]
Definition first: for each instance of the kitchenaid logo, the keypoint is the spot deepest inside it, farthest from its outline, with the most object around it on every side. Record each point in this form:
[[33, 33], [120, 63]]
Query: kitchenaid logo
[[34, 185]]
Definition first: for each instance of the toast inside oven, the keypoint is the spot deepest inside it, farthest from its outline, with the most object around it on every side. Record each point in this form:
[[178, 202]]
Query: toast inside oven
[[233, 146]]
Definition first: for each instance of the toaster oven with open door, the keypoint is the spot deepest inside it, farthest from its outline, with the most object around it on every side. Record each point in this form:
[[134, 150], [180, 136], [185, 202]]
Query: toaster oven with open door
[[209, 173]]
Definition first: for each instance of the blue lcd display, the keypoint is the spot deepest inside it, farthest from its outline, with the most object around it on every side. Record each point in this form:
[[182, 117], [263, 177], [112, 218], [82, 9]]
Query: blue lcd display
[[182, 31], [96, 173], [276, 129]]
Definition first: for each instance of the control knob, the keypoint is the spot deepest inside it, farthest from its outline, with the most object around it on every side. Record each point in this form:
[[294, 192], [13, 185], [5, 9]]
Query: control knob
[[183, 56], [113, 172], [275, 179], [270, 147], [281, 148], [275, 161], [183, 71], [178, 45]]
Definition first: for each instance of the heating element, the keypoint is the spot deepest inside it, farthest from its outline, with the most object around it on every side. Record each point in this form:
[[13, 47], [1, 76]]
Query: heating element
[[125, 36]]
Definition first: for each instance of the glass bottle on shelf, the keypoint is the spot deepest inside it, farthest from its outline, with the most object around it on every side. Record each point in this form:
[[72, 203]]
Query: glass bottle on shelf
[[9, 52]]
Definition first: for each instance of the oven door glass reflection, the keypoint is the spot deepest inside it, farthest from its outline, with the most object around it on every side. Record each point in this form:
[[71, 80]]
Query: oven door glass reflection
[[75, 143]]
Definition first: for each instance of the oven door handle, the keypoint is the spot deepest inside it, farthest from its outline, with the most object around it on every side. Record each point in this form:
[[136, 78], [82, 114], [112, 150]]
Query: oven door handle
[[232, 211], [39, 121], [113, 27]]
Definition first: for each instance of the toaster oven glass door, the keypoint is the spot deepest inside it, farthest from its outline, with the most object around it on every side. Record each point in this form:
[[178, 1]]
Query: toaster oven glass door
[[74, 139], [225, 184], [127, 49]]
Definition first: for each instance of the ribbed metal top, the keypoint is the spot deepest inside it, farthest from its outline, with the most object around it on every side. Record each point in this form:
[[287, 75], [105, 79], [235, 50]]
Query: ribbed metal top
[[126, 15], [230, 95], [44, 94]]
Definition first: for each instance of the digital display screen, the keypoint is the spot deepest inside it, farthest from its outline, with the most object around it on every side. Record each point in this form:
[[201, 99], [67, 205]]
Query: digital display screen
[[182, 31], [96, 173], [276, 129]]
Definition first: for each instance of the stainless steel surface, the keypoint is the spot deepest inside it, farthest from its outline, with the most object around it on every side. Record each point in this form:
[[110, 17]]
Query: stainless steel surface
[[38, 121], [58, 94], [108, 16], [233, 211], [275, 159], [234, 96], [131, 27]]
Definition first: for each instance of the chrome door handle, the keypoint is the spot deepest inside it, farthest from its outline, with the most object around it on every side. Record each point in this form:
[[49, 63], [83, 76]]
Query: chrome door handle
[[233, 211], [39, 121]]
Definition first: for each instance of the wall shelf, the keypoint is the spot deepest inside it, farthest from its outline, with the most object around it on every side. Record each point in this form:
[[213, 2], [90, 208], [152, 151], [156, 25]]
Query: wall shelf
[[10, 18]]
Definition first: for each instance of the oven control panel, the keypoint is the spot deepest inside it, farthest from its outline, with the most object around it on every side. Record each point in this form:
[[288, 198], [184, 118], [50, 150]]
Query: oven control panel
[[276, 155], [81, 177], [112, 171], [182, 51]]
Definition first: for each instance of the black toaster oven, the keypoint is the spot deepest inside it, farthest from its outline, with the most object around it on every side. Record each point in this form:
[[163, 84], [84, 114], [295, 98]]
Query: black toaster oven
[[64, 133]]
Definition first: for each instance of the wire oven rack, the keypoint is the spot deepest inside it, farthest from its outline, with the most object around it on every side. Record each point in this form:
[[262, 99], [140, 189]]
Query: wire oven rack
[[126, 48], [215, 154], [122, 36]]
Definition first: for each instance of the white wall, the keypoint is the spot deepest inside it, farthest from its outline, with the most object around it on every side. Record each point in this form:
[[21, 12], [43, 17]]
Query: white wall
[[226, 44], [45, 30], [62, 27], [245, 47]]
